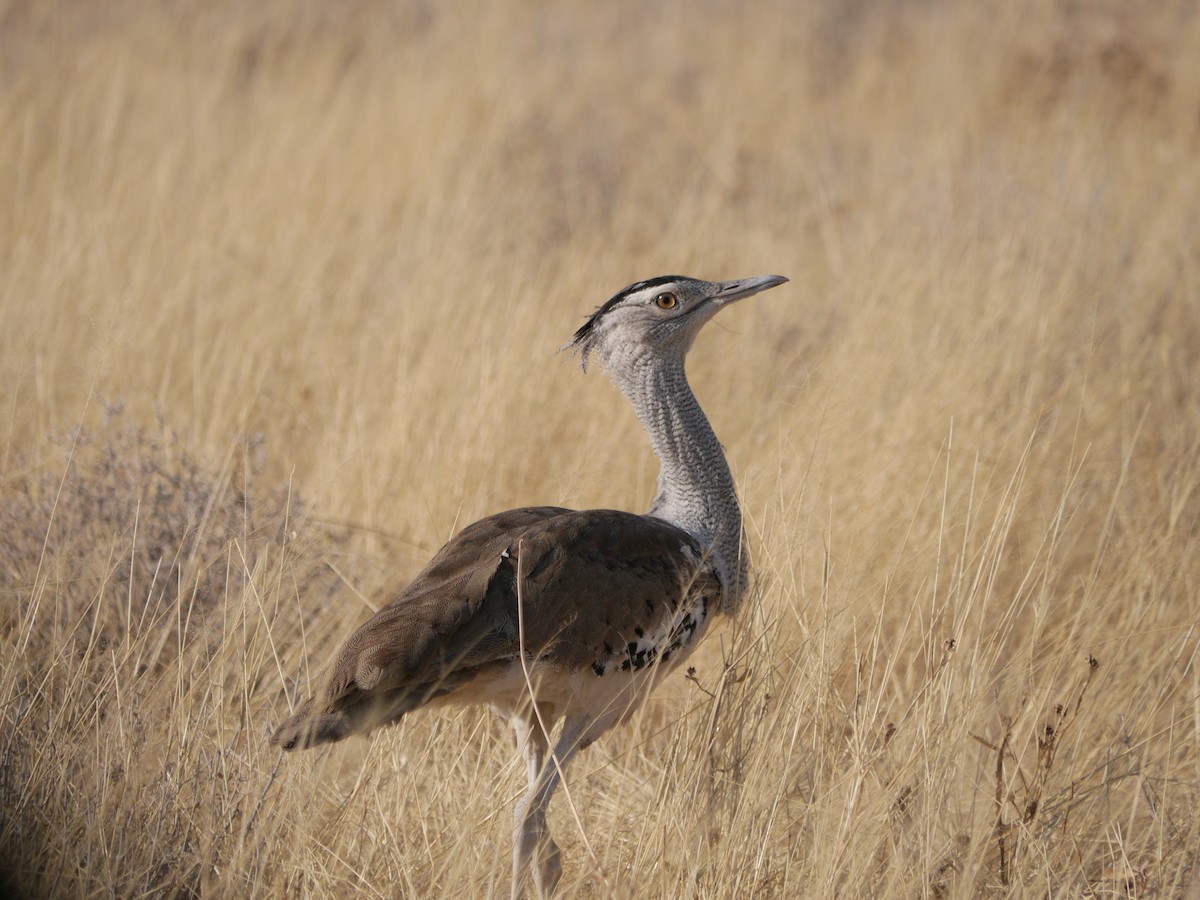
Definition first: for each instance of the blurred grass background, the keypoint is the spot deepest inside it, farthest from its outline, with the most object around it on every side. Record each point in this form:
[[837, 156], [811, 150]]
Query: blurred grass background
[[281, 287]]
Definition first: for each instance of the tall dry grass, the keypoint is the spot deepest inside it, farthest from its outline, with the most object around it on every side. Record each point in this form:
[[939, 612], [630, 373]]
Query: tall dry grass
[[281, 288]]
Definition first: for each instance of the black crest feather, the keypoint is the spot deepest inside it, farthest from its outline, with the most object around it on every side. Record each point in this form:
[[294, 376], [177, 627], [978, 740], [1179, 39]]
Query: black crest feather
[[580, 340]]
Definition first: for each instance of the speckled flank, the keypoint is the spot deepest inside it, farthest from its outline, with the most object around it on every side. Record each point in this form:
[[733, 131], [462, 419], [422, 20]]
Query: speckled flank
[[679, 633]]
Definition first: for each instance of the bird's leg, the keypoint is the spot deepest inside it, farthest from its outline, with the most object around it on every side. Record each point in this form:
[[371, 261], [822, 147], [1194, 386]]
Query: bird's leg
[[533, 848], [532, 844], [532, 743]]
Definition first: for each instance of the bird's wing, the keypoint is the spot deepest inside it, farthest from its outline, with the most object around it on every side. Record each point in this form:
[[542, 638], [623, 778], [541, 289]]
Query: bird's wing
[[595, 582], [592, 583]]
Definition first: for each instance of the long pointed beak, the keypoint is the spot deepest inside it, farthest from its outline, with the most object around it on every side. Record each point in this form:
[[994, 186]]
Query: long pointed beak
[[746, 287]]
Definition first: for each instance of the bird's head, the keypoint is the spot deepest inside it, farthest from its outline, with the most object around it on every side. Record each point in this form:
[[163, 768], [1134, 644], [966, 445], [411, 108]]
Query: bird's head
[[658, 318]]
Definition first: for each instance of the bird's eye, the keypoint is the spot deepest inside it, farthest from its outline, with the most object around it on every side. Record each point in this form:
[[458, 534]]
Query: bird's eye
[[666, 301]]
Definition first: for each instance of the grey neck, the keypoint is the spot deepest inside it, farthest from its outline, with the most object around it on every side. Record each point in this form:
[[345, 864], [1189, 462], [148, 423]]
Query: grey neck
[[695, 488]]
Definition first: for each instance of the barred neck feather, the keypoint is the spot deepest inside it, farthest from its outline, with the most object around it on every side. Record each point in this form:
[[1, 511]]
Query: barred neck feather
[[695, 487]]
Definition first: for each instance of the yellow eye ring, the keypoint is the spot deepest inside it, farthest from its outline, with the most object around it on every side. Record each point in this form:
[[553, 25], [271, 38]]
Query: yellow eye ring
[[666, 301]]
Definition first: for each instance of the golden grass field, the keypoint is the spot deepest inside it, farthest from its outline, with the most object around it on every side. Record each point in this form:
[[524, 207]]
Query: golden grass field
[[281, 288]]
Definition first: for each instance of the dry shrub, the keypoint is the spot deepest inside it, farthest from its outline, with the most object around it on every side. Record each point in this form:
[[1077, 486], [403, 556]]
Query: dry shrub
[[134, 533], [122, 573]]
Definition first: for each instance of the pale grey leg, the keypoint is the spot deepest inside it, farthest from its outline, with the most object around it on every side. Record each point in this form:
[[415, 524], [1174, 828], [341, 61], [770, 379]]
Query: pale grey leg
[[533, 848]]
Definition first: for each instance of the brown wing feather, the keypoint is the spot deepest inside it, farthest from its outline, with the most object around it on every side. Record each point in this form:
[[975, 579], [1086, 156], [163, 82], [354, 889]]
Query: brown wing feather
[[591, 580]]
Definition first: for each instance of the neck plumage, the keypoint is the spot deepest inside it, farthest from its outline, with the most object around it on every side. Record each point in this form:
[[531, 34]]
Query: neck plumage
[[695, 488]]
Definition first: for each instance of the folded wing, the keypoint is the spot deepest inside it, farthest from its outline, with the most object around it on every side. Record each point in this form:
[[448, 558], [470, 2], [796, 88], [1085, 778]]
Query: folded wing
[[594, 584]]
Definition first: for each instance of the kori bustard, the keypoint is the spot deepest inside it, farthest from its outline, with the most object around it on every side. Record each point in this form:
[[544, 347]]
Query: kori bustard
[[552, 614]]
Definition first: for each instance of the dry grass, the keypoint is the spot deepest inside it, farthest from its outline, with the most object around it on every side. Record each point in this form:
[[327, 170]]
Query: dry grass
[[322, 256]]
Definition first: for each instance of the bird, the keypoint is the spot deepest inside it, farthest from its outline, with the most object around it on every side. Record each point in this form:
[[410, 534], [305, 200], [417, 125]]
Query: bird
[[549, 614]]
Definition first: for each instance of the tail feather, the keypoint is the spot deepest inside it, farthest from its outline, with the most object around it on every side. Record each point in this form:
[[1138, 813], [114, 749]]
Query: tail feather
[[354, 712], [307, 729]]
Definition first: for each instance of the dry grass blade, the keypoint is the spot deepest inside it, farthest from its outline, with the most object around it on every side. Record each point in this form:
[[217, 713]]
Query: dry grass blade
[[324, 254]]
